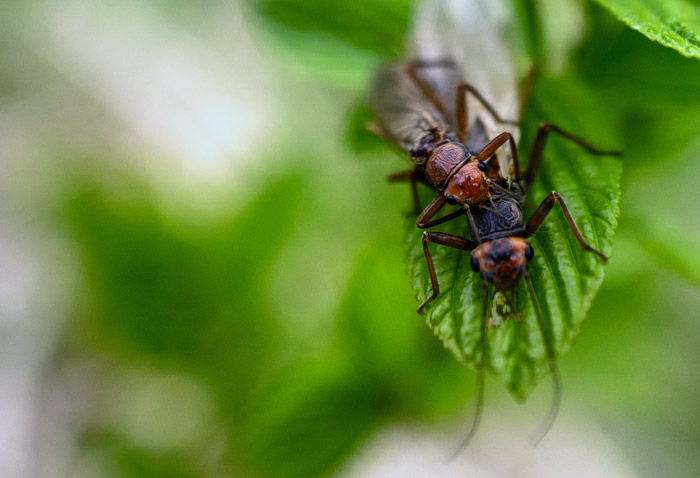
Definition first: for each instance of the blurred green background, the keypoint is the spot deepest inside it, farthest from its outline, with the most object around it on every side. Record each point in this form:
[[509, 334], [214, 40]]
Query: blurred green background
[[201, 265]]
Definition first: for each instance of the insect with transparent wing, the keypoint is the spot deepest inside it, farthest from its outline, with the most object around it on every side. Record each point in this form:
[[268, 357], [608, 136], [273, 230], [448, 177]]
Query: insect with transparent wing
[[422, 108], [413, 114]]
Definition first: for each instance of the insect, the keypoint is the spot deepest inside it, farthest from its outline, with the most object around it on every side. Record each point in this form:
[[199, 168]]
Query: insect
[[413, 114], [468, 156], [451, 157], [472, 178]]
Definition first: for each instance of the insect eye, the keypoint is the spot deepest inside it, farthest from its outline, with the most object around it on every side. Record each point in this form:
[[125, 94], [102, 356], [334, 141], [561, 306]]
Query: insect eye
[[482, 166], [475, 264], [529, 253], [451, 199]]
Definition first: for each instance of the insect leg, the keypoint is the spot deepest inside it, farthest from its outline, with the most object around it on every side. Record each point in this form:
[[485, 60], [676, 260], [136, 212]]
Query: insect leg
[[430, 210], [449, 240], [533, 163], [462, 114], [423, 86], [444, 219], [479, 395], [526, 90], [493, 145], [541, 213], [410, 176], [551, 357], [462, 90]]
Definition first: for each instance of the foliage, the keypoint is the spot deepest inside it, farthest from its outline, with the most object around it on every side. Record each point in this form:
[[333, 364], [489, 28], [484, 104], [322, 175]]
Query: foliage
[[565, 277], [292, 312], [673, 23]]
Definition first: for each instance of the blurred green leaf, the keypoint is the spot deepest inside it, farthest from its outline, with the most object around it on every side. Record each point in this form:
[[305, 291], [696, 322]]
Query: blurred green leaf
[[652, 88], [115, 456], [160, 284], [310, 416], [338, 41], [673, 23], [633, 71], [532, 36], [165, 290], [565, 277], [385, 339], [673, 248], [378, 27]]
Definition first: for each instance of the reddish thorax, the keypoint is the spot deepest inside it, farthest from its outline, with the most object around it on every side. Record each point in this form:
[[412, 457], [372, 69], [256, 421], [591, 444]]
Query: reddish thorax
[[468, 185]]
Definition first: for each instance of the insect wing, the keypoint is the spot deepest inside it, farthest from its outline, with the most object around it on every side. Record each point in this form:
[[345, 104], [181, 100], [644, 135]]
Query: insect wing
[[477, 35], [403, 111]]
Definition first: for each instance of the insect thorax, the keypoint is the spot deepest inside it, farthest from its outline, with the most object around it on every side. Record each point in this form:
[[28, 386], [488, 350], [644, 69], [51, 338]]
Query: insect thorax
[[498, 218], [444, 162]]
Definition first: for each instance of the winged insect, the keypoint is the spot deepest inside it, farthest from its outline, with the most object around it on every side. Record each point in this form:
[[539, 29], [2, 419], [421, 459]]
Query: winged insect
[[467, 153]]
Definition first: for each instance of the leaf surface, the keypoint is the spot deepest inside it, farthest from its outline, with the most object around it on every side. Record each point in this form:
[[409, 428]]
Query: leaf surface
[[340, 42], [565, 277], [673, 23]]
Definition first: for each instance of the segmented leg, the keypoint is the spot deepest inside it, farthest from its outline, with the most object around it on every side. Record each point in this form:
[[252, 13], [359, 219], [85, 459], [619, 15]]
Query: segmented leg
[[493, 145], [533, 164], [526, 90], [462, 114], [430, 210], [443, 219], [449, 240], [544, 208], [424, 86], [461, 99], [423, 222]]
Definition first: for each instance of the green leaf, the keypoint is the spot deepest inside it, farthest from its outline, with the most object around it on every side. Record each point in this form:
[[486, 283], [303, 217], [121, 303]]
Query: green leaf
[[673, 23], [312, 414], [338, 41], [673, 248], [375, 26], [565, 277], [668, 235], [623, 67], [384, 339]]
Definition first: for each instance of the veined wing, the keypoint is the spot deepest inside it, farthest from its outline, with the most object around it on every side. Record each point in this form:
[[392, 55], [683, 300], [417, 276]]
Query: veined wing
[[477, 35], [403, 111]]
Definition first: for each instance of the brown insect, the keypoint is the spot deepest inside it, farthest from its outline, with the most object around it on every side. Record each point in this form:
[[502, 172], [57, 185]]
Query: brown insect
[[448, 154], [457, 160]]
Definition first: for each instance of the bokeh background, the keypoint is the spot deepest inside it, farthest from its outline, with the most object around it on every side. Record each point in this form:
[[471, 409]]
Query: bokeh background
[[201, 265]]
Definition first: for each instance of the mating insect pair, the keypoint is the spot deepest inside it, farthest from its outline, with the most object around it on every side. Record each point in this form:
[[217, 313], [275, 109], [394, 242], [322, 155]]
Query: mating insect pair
[[422, 108]]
